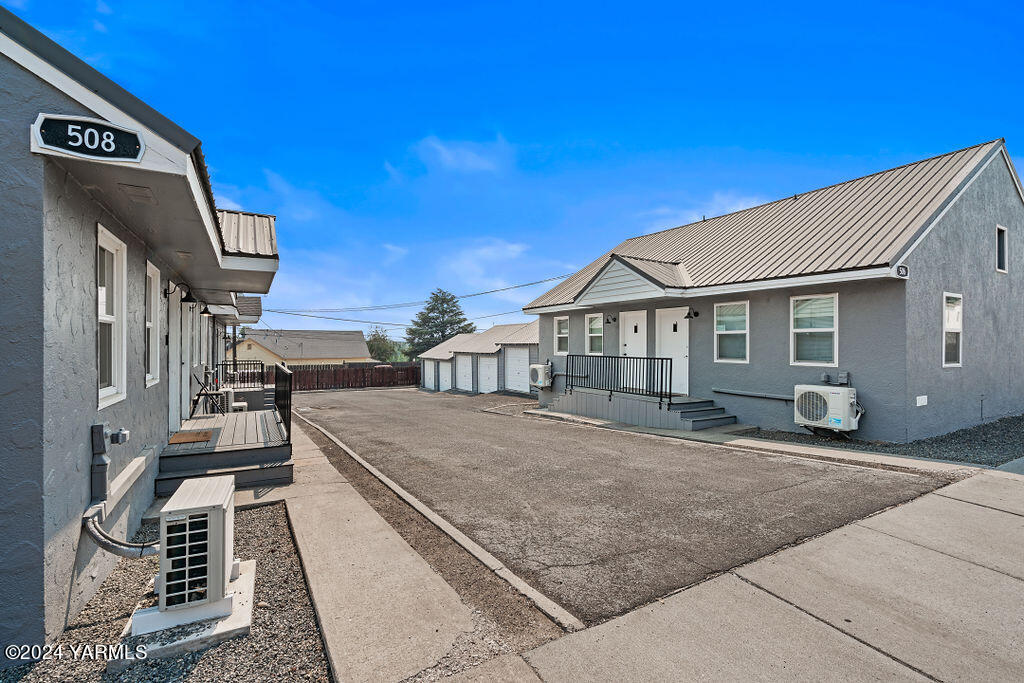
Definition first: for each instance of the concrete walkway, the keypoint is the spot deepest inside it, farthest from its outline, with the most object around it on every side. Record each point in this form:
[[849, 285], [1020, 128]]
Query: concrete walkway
[[931, 588], [385, 614]]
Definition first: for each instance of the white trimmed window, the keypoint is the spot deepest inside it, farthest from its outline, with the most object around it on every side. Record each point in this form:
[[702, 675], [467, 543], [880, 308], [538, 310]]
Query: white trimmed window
[[732, 341], [814, 330], [561, 326], [1002, 253], [952, 329], [152, 343], [595, 334], [111, 297]]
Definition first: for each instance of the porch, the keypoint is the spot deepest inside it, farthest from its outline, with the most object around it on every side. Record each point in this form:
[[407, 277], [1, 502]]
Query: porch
[[254, 445]]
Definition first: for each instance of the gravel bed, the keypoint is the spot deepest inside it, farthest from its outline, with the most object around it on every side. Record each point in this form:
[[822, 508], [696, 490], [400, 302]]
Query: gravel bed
[[989, 444], [284, 643]]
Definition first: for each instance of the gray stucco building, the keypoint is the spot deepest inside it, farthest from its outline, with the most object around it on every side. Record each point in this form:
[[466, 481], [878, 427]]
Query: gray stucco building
[[906, 284], [98, 252]]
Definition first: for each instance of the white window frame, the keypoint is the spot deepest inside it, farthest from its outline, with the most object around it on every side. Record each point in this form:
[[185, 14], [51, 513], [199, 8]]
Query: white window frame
[[1002, 235], [745, 331], [945, 329], [555, 335], [153, 326], [586, 322], [834, 330], [118, 390]]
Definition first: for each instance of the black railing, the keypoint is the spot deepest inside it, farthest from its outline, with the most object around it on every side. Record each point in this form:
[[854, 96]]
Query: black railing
[[241, 374], [636, 375], [283, 397]]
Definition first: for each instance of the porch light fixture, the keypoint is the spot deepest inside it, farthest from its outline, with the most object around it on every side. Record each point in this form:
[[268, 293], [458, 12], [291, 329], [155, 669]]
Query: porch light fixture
[[187, 299], [609, 319], [206, 311], [691, 314]]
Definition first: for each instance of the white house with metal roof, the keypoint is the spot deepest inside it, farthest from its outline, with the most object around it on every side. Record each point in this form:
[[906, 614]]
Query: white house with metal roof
[[485, 362], [906, 285], [118, 282]]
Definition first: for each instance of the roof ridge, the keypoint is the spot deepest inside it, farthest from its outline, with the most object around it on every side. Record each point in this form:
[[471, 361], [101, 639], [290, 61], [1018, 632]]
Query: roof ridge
[[248, 213], [817, 189]]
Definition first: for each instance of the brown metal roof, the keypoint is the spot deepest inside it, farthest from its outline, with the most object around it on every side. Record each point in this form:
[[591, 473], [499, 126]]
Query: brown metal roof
[[857, 224], [248, 234]]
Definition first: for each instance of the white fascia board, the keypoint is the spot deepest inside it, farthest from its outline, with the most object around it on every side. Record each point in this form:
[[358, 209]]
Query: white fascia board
[[249, 263], [159, 155], [738, 287]]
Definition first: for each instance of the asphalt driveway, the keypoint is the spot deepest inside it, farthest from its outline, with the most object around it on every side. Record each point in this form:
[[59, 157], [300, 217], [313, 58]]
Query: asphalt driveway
[[600, 521]]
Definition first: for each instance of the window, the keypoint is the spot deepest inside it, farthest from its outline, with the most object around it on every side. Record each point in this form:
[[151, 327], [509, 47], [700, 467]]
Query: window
[[152, 350], [595, 334], [814, 326], [561, 336], [111, 292], [952, 329], [732, 344], [1001, 255]]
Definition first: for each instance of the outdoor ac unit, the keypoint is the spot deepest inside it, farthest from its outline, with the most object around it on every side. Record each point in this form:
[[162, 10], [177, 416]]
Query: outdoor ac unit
[[827, 407], [540, 375], [197, 546]]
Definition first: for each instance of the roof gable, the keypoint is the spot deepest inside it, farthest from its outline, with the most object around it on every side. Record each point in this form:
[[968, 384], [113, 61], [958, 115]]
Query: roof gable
[[618, 282], [860, 224]]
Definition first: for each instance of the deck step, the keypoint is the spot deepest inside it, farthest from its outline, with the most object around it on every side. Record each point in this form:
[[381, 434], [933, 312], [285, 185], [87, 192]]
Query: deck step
[[263, 474], [689, 414], [698, 423], [239, 457], [690, 404]]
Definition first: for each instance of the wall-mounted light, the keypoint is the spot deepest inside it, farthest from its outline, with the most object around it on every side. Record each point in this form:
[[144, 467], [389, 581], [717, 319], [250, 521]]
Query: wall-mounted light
[[609, 320], [187, 299], [691, 314], [206, 312]]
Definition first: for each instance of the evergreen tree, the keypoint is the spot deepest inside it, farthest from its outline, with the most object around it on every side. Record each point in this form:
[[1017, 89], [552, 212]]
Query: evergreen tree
[[441, 319], [382, 347]]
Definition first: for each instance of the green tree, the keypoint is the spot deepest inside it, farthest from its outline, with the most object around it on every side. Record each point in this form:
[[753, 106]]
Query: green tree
[[382, 347], [441, 319]]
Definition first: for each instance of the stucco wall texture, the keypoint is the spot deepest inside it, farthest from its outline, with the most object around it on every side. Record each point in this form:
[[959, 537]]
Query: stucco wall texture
[[48, 387], [890, 332]]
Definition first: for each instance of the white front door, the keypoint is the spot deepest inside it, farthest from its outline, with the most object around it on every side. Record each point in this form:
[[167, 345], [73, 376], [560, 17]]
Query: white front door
[[517, 369], [174, 359], [633, 344], [487, 368], [672, 340]]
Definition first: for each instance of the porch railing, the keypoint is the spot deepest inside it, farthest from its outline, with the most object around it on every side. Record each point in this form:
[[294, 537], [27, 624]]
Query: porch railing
[[637, 375], [241, 374], [283, 397]]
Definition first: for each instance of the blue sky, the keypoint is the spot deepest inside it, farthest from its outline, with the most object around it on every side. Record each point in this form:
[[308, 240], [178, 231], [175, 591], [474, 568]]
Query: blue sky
[[409, 146]]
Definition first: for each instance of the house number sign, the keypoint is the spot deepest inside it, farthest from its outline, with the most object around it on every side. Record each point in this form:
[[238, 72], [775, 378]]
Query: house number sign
[[88, 138]]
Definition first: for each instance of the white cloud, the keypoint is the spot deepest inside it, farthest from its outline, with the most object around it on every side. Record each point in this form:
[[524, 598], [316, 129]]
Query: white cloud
[[465, 156], [16, 4], [228, 204], [395, 253], [720, 203], [300, 205], [99, 26], [479, 267], [103, 8]]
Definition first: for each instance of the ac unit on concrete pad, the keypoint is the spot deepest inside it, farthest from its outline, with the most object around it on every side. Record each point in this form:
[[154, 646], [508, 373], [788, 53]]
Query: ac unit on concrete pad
[[827, 407], [540, 375], [198, 574]]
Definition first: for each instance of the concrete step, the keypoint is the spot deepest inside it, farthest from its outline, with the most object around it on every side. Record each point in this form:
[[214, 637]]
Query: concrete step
[[690, 404], [248, 476], [183, 462], [699, 423], [699, 412]]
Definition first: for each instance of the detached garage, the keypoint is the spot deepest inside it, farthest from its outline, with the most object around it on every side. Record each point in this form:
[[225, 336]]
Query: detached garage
[[497, 359]]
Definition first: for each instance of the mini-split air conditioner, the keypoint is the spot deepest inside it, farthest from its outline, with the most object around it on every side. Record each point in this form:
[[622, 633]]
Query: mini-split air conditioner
[[197, 545], [827, 407], [540, 375]]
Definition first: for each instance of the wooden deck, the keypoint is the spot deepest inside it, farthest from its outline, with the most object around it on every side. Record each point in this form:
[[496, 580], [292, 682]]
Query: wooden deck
[[231, 432]]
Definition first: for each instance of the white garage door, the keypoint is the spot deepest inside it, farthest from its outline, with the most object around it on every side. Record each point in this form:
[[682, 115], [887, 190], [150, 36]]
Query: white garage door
[[517, 368], [444, 375], [488, 369], [464, 373], [428, 374]]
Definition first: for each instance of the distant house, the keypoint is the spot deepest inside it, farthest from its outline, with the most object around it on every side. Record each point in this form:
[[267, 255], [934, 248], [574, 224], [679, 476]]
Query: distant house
[[497, 359], [303, 347], [905, 285]]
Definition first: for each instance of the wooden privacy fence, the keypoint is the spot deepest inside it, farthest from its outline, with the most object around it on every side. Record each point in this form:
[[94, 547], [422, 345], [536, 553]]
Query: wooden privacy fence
[[311, 377]]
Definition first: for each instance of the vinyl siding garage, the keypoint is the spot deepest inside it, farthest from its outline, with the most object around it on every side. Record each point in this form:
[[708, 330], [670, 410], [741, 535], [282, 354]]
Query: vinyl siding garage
[[429, 374], [464, 372], [444, 375], [517, 369], [487, 369]]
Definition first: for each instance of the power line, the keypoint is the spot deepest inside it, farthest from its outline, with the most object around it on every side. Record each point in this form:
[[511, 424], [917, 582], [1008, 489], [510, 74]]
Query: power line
[[408, 304]]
